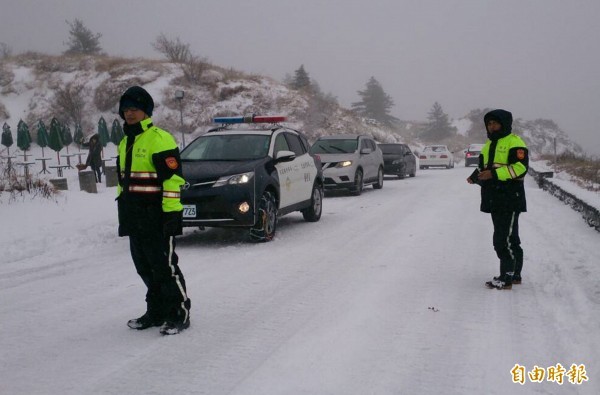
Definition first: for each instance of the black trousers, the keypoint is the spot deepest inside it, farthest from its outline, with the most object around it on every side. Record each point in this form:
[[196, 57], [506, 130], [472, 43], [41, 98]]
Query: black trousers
[[97, 173], [157, 264], [507, 242]]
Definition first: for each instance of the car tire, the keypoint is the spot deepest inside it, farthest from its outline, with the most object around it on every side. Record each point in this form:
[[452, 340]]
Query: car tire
[[358, 183], [402, 172], [379, 183], [266, 223], [313, 213]]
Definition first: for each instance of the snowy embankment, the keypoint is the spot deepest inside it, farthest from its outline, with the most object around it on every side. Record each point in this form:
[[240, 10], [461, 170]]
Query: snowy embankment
[[560, 185], [384, 295]]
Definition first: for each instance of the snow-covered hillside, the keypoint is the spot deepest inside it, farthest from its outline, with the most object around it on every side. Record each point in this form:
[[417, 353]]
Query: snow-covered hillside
[[30, 85]]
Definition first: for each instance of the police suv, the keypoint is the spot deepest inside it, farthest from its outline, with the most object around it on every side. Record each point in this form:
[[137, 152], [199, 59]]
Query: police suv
[[248, 177]]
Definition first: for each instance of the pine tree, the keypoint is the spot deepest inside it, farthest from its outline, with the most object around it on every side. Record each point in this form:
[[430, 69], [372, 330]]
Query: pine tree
[[301, 79], [438, 127], [82, 40], [375, 103]]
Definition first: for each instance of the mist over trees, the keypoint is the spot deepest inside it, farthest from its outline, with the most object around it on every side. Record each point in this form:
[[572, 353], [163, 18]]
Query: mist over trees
[[81, 39], [375, 103], [5, 50], [438, 125]]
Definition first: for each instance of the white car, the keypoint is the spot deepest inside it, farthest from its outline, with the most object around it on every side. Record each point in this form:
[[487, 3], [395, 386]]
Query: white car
[[436, 155], [350, 161]]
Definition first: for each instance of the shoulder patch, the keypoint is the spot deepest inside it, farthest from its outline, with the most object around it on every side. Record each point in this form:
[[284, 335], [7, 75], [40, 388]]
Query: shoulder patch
[[520, 154], [172, 163]]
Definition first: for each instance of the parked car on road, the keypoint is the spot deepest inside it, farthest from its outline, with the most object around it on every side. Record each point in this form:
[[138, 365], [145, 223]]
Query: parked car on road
[[248, 177], [398, 159], [472, 154], [436, 155], [350, 162]]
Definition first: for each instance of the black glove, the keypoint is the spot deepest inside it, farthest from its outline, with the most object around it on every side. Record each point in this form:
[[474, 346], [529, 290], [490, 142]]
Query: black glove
[[473, 177], [172, 223]]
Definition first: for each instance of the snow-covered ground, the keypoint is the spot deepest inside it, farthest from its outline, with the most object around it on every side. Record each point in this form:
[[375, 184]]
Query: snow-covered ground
[[384, 295]]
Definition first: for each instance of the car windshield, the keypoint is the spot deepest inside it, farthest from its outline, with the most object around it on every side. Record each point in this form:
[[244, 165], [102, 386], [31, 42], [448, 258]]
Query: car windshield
[[435, 148], [235, 147], [334, 146], [475, 147], [391, 148]]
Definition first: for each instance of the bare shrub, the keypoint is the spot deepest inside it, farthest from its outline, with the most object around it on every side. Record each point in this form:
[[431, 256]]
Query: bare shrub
[[69, 101], [193, 70], [174, 50], [20, 186]]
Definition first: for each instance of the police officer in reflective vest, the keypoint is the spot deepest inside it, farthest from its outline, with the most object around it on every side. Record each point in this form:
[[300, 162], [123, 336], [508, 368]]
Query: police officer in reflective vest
[[150, 212], [503, 163]]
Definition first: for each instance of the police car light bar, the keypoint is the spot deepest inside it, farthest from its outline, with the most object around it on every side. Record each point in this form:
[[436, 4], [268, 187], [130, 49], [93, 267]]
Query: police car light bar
[[249, 119]]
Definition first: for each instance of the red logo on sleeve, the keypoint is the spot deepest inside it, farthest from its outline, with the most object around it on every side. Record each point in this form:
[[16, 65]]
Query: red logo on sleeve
[[521, 154], [172, 163]]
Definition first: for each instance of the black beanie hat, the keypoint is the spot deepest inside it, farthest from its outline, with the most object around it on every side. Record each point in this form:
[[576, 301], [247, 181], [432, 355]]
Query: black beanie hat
[[136, 97]]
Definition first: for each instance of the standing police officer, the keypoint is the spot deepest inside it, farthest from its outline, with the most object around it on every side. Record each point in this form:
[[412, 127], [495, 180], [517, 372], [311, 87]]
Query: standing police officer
[[503, 163], [150, 212]]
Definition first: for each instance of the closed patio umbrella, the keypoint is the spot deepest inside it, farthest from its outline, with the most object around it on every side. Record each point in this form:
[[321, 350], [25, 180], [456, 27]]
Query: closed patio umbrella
[[55, 142]]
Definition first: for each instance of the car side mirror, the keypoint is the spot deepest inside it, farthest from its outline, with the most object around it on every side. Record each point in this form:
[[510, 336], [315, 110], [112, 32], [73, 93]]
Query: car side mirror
[[408, 153], [365, 151], [285, 156]]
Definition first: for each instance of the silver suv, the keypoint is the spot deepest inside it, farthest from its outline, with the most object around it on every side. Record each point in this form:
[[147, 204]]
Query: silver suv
[[350, 161]]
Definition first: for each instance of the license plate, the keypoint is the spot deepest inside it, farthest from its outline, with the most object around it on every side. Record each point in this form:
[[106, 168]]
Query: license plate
[[432, 156], [189, 211]]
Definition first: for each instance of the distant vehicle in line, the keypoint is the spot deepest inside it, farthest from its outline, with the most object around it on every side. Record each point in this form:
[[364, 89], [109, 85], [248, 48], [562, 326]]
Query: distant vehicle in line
[[398, 160], [350, 161], [436, 155], [472, 154]]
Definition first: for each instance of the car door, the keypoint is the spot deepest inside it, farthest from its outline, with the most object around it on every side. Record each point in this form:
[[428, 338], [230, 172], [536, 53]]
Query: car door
[[287, 172], [366, 159], [304, 168], [411, 161]]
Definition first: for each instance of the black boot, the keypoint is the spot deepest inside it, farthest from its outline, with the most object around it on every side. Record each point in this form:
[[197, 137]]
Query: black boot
[[144, 322]]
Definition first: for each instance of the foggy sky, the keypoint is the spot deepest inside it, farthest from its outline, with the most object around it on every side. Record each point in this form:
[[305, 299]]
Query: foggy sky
[[536, 58]]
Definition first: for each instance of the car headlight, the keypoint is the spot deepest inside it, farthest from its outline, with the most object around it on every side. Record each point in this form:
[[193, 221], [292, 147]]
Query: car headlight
[[234, 180], [345, 163]]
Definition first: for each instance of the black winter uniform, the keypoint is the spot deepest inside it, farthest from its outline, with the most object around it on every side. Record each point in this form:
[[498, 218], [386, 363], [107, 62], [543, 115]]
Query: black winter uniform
[[506, 155]]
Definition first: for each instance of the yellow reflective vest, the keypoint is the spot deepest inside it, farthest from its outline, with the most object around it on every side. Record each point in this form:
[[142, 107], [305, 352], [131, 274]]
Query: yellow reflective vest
[[508, 159], [155, 171], [509, 154]]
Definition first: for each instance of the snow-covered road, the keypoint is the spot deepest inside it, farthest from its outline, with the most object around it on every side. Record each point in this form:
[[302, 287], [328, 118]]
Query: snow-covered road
[[384, 295]]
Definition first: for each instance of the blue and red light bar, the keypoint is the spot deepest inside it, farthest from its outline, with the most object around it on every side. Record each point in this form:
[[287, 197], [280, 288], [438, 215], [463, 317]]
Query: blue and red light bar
[[249, 119]]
